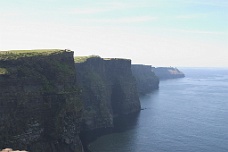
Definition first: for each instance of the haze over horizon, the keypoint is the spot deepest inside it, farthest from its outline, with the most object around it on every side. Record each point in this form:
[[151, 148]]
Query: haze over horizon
[[191, 33]]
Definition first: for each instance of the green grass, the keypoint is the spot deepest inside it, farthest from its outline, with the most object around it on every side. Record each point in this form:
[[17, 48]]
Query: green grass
[[80, 59], [37, 51], [15, 54], [31, 51], [107, 59]]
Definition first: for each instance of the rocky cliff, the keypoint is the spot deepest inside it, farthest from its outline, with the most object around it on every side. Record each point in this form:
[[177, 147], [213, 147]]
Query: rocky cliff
[[168, 73], [43, 108], [40, 106], [146, 79], [108, 90]]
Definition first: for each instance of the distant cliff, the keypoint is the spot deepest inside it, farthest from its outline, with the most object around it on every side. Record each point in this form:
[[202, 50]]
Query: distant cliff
[[108, 90], [146, 79], [168, 73], [40, 106]]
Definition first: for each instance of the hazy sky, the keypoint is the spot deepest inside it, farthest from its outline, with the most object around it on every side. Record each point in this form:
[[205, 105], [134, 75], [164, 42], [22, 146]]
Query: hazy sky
[[156, 32]]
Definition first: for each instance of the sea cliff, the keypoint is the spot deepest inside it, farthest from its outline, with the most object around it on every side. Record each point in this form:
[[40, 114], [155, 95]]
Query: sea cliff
[[51, 102], [146, 79], [108, 90], [40, 106], [168, 73]]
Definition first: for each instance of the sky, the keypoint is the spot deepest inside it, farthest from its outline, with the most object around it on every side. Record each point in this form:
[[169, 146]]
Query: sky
[[179, 33]]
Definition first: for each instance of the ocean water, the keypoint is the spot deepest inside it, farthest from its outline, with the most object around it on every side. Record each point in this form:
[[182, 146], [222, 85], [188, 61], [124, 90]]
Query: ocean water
[[185, 115]]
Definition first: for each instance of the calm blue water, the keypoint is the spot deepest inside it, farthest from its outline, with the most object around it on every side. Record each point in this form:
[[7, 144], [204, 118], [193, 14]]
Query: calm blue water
[[184, 115]]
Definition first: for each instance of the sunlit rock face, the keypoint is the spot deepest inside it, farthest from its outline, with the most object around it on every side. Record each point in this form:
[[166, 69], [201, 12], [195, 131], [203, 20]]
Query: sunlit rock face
[[168, 73], [39, 102], [108, 90], [146, 79], [11, 150]]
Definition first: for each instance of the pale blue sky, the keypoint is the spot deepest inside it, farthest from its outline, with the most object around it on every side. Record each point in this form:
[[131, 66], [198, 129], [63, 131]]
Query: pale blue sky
[[157, 32]]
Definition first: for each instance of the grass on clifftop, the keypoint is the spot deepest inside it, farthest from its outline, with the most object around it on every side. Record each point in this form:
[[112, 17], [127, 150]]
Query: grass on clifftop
[[107, 59], [34, 51], [80, 59], [15, 54]]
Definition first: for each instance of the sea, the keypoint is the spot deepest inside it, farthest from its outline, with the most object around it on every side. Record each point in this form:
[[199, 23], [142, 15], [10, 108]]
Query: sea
[[184, 115]]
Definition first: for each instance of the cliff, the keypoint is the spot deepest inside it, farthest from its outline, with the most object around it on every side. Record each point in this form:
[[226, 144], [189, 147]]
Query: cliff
[[146, 79], [44, 109], [40, 106], [168, 73], [108, 90]]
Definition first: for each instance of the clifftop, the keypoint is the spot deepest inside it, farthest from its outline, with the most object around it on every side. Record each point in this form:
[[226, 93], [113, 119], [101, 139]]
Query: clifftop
[[16, 54], [168, 72], [81, 59]]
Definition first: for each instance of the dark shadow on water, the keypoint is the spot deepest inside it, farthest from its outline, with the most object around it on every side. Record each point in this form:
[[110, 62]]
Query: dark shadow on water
[[126, 122], [121, 124]]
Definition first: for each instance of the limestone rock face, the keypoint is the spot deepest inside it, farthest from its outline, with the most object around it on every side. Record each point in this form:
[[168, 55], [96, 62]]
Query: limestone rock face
[[108, 90], [168, 73], [146, 79], [40, 107]]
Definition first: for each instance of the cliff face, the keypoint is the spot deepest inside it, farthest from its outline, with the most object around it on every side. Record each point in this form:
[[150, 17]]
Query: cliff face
[[108, 90], [40, 107], [41, 103], [146, 79], [168, 73]]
